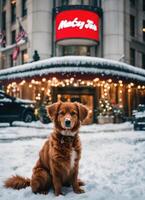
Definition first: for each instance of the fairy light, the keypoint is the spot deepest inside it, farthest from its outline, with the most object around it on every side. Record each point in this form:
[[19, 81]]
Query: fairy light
[[54, 79], [72, 79], [13, 84], [37, 82], [49, 81], [43, 79], [33, 81], [96, 80], [109, 80], [75, 85], [23, 82], [138, 87], [120, 106], [132, 84]]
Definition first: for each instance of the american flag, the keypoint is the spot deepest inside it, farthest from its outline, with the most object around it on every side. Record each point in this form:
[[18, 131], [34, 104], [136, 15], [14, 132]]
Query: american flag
[[22, 34], [15, 53]]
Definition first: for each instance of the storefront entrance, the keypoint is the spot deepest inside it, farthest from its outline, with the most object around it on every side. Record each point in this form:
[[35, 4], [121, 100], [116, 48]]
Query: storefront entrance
[[84, 95]]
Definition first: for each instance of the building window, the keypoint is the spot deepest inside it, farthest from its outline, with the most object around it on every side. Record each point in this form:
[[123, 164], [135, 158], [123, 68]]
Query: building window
[[76, 50], [132, 56], [3, 39], [11, 61], [132, 3], [143, 31], [132, 25], [13, 37], [143, 61], [13, 11], [3, 20], [25, 57], [24, 8], [143, 6], [3, 3], [78, 2]]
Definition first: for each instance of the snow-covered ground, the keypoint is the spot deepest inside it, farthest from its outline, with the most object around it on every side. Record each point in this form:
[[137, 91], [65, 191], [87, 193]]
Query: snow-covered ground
[[112, 164]]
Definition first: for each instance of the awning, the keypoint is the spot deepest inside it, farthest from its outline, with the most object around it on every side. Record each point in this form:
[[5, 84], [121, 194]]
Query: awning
[[75, 65]]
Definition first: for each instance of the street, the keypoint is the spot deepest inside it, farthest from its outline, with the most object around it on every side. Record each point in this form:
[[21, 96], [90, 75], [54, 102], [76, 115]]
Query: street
[[112, 163]]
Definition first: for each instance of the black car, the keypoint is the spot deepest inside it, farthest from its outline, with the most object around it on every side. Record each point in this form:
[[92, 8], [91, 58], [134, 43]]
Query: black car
[[15, 109], [139, 117]]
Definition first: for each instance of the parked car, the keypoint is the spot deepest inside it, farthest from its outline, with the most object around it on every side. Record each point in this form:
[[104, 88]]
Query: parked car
[[15, 109], [139, 117]]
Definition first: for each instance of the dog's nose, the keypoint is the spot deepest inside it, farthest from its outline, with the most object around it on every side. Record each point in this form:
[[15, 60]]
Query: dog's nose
[[67, 123]]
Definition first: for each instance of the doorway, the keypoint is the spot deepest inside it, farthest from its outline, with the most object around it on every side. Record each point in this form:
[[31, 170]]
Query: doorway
[[84, 95]]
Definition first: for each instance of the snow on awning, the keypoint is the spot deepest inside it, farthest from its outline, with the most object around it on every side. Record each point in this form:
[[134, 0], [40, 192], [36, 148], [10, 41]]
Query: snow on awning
[[75, 64]]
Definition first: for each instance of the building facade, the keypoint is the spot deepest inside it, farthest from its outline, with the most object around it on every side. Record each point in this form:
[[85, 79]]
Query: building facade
[[109, 29], [121, 35]]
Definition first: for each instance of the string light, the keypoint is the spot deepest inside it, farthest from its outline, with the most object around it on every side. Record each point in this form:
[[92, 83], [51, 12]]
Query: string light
[[43, 87], [110, 80], [120, 82], [33, 81], [43, 79], [96, 80], [23, 82]]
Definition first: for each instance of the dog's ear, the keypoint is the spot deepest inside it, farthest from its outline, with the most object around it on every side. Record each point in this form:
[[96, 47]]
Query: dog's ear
[[52, 110], [83, 111]]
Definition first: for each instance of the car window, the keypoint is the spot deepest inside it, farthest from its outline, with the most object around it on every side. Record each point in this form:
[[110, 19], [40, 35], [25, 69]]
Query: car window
[[3, 98]]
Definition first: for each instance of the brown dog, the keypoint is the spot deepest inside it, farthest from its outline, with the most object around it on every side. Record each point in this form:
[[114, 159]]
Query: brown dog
[[58, 162]]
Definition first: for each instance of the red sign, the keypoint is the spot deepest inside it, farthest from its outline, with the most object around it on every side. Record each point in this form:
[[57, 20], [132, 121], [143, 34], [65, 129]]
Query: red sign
[[77, 24]]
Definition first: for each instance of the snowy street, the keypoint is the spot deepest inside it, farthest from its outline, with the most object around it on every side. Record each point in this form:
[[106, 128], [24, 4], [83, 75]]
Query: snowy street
[[112, 163]]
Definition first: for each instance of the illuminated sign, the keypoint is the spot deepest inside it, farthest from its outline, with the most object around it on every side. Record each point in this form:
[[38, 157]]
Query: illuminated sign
[[77, 24]]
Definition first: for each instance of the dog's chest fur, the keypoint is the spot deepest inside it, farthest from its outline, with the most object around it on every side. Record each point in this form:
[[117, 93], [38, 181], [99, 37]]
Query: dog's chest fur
[[73, 158]]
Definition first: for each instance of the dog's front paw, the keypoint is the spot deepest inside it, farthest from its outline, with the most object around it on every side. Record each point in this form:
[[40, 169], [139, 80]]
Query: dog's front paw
[[80, 182], [79, 190], [43, 192], [59, 193]]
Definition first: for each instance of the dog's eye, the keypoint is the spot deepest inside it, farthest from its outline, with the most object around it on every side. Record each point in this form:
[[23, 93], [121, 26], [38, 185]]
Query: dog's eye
[[61, 113], [73, 113]]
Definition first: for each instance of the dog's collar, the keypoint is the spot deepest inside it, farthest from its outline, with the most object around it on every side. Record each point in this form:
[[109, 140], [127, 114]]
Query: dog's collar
[[66, 136], [67, 139]]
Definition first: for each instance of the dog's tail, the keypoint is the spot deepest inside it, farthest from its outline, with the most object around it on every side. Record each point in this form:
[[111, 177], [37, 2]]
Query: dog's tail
[[17, 182]]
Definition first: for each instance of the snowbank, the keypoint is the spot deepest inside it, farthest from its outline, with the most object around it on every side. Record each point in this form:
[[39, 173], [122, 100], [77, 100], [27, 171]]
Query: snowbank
[[112, 163]]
